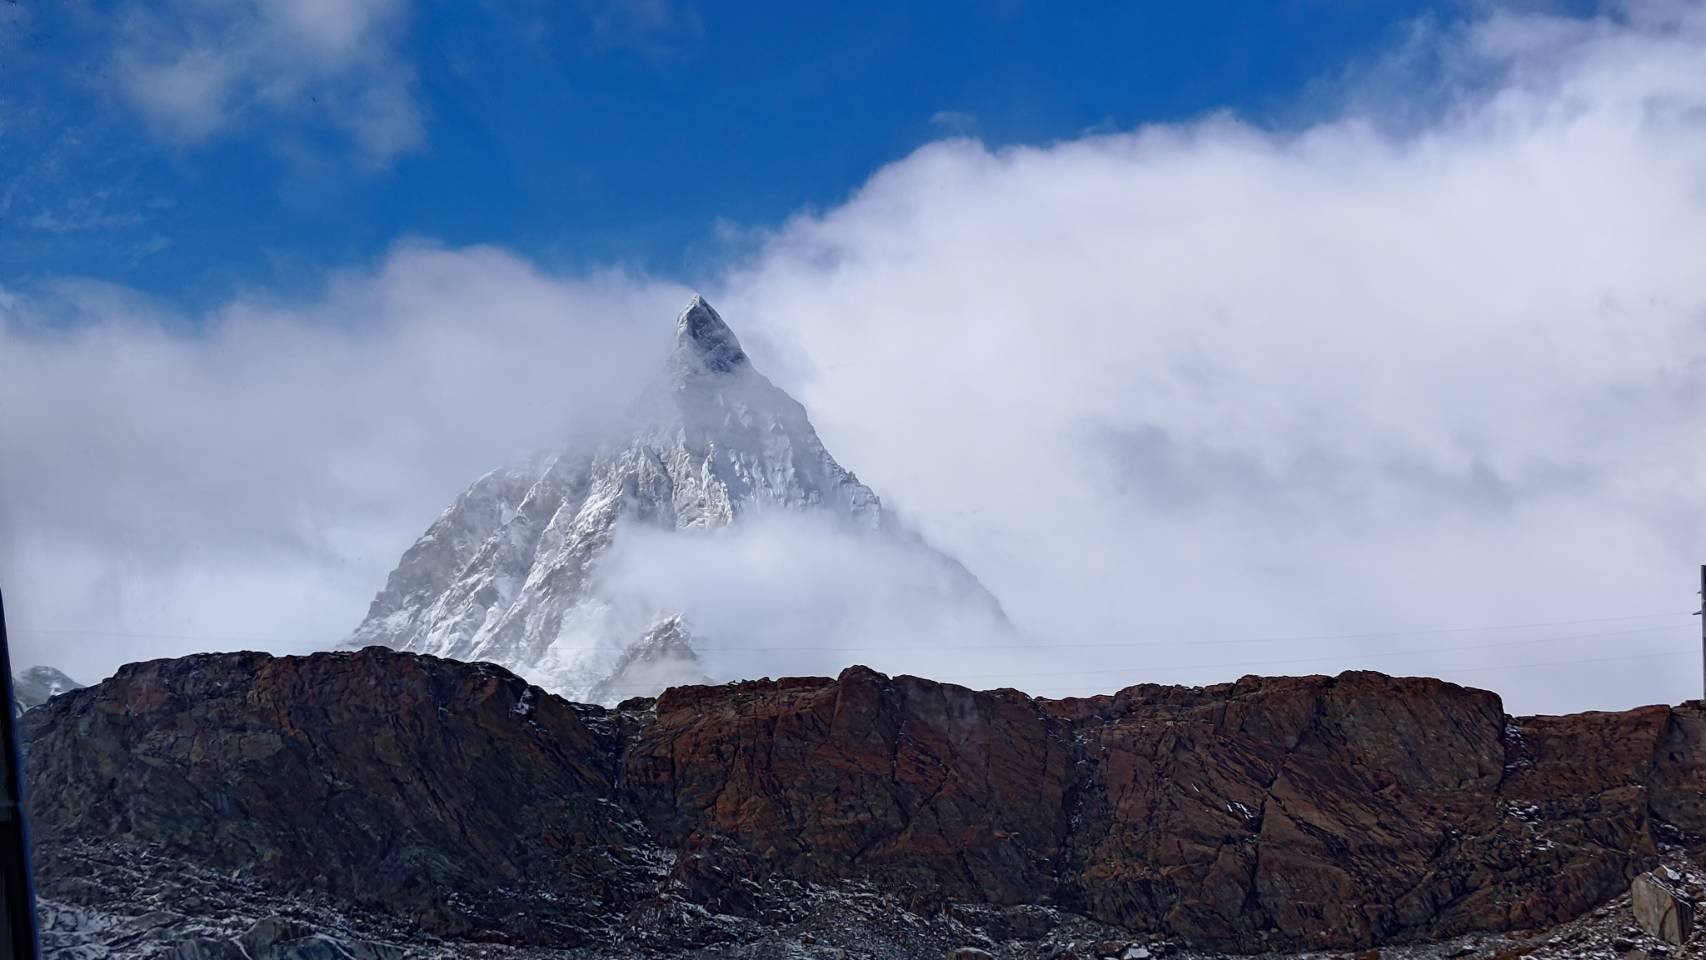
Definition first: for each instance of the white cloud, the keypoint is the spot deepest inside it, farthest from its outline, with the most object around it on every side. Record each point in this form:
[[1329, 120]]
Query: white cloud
[[253, 474], [787, 594], [1394, 371], [1207, 381], [197, 68]]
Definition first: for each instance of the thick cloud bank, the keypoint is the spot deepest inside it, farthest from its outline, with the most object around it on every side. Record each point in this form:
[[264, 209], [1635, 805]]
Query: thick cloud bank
[[247, 479], [1193, 401], [1204, 382], [799, 594]]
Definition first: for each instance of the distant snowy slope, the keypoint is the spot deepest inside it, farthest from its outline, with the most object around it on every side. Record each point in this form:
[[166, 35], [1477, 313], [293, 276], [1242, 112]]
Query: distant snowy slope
[[34, 686]]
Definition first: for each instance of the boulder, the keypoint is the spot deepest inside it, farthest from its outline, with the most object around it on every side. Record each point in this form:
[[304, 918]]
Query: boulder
[[1661, 909]]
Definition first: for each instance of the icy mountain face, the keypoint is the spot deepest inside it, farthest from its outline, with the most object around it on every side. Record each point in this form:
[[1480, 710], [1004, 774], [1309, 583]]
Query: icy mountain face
[[34, 686], [510, 573], [665, 655]]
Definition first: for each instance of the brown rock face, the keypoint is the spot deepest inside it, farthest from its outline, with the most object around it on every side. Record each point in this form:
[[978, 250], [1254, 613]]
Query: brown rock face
[[1313, 811], [451, 793], [1308, 806], [921, 784]]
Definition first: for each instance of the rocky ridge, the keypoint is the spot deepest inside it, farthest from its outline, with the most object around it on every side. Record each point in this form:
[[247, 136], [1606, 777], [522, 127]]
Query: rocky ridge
[[428, 804]]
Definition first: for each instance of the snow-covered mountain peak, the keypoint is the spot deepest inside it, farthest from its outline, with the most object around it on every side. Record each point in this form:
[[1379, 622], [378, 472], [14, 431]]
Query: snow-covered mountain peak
[[35, 686], [516, 570], [704, 344]]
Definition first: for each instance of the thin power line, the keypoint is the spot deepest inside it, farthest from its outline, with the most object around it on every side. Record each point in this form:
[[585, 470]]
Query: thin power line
[[1146, 669], [1503, 666], [77, 631], [1322, 658], [1419, 651], [1648, 655], [1117, 644], [1562, 663], [43, 631], [1243, 664]]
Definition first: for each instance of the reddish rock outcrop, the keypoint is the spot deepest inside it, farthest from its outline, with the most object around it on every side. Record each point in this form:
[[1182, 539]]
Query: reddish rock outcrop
[[1313, 811], [929, 786]]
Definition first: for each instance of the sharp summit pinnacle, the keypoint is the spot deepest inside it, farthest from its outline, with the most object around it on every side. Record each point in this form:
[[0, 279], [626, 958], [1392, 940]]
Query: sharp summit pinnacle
[[704, 343]]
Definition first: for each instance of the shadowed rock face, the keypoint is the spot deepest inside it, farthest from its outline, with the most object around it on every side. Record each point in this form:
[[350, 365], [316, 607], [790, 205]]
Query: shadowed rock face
[[452, 793], [1278, 812]]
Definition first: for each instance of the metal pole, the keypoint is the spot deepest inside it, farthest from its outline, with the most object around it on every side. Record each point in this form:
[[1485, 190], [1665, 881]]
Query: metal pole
[[1703, 631], [18, 939]]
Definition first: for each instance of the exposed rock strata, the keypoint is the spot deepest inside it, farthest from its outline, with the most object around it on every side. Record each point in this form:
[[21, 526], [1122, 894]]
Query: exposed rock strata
[[1266, 814]]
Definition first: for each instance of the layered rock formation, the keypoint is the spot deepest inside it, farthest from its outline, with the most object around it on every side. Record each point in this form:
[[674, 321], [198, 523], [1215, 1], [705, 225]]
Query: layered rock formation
[[1270, 813]]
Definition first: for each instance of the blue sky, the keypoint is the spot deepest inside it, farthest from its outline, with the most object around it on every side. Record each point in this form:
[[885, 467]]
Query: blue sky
[[652, 134], [1382, 320]]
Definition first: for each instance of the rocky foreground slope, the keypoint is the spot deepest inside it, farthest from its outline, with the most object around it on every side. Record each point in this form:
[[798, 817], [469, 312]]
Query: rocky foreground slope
[[426, 803]]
